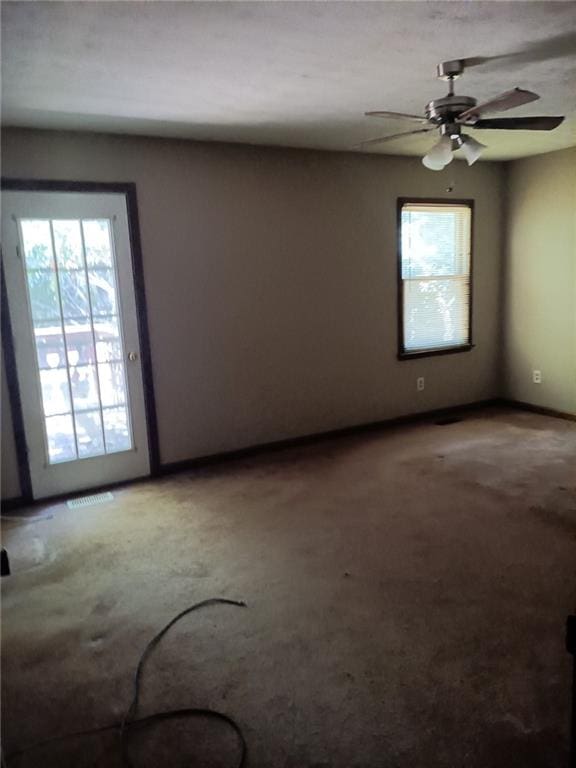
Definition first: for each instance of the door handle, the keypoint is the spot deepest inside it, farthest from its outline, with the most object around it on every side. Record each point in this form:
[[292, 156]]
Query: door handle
[[132, 356]]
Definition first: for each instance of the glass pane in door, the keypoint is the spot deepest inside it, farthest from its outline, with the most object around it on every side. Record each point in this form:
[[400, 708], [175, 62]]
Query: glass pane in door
[[74, 310]]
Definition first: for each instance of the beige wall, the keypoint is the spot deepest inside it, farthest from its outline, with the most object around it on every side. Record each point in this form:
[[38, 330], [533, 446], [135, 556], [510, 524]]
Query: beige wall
[[540, 314], [271, 282]]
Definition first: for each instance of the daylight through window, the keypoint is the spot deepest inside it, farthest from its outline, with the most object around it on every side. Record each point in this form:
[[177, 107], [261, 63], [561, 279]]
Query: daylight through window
[[435, 244]]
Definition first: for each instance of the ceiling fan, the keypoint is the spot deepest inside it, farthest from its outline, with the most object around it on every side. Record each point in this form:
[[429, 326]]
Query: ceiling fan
[[452, 113]]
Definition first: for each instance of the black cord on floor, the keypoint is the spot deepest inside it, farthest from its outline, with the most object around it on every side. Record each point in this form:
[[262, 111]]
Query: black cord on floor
[[131, 723]]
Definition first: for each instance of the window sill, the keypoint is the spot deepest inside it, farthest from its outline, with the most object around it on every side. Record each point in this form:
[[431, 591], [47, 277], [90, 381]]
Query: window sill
[[434, 352]]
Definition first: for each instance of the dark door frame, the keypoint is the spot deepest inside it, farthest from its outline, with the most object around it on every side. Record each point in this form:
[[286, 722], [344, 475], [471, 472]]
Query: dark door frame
[[128, 189]]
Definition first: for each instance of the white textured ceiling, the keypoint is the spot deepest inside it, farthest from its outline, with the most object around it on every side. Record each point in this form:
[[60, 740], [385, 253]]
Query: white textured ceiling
[[297, 74]]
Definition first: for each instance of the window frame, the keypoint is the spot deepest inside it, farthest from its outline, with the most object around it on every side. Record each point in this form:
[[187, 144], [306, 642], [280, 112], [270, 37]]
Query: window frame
[[404, 354]]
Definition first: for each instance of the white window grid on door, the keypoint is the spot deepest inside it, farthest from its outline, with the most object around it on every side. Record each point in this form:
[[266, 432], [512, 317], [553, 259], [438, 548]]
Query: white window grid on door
[[65, 321]]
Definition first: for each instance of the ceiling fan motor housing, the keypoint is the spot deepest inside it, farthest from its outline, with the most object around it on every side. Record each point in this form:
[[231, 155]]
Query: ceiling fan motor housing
[[447, 109], [450, 70]]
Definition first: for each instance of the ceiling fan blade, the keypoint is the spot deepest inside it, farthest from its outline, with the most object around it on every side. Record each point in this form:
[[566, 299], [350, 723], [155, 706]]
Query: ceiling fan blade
[[508, 100], [520, 123], [476, 61], [382, 139], [396, 116]]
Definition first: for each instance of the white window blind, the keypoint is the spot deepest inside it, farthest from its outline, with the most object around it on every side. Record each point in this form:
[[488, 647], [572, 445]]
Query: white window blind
[[435, 273]]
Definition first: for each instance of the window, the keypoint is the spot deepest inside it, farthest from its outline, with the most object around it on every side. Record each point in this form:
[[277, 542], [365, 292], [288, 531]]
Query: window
[[434, 277], [70, 272]]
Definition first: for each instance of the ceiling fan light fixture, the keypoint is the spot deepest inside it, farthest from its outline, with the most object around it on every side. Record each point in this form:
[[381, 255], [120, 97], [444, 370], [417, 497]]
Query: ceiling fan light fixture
[[433, 165], [453, 112], [471, 148], [440, 154]]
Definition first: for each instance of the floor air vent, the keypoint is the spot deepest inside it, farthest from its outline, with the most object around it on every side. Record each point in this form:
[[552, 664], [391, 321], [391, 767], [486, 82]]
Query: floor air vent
[[89, 501]]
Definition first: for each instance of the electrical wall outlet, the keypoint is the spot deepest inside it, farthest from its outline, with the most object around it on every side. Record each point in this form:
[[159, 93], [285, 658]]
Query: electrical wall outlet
[[537, 377], [420, 383]]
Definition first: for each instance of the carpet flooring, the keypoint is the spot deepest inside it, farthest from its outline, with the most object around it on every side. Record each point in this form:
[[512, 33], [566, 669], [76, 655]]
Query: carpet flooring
[[406, 596]]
